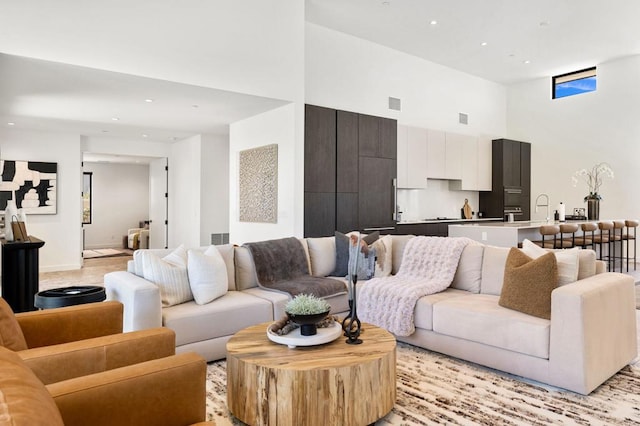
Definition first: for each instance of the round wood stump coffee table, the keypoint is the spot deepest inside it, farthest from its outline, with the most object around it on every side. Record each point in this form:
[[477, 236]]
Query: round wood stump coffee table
[[330, 384]]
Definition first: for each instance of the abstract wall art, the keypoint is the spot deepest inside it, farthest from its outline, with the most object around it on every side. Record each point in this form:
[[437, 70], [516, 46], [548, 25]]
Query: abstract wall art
[[31, 184], [258, 184]]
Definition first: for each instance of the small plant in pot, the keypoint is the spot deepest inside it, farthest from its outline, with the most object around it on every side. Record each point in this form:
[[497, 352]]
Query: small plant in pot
[[307, 310]]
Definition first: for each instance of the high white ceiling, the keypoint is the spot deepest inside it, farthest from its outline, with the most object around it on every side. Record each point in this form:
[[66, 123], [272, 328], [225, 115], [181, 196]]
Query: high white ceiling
[[555, 36], [47, 95]]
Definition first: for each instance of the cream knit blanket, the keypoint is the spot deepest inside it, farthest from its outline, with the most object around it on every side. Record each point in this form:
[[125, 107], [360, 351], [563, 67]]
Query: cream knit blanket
[[428, 266]]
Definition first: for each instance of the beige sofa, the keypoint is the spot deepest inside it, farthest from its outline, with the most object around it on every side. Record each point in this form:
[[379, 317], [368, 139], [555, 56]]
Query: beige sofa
[[591, 334]]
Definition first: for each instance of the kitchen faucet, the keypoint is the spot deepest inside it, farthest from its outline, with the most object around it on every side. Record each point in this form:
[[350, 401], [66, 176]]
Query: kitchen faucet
[[548, 205]]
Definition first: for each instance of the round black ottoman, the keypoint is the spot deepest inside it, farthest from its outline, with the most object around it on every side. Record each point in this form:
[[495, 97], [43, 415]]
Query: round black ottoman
[[69, 296]]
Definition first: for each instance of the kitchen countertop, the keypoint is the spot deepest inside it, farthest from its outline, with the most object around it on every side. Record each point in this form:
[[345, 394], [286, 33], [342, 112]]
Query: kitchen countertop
[[522, 224], [449, 220]]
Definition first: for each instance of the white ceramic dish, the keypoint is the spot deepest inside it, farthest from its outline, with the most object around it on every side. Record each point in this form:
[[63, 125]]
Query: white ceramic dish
[[294, 338]]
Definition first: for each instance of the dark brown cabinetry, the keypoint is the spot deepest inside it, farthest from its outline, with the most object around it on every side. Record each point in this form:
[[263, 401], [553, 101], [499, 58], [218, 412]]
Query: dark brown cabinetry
[[350, 164], [511, 169]]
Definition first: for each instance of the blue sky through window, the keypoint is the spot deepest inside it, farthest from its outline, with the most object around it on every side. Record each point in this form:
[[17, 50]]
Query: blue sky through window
[[575, 87]]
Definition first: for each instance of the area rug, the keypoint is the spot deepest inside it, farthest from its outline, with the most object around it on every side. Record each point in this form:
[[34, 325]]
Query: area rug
[[437, 389], [92, 254]]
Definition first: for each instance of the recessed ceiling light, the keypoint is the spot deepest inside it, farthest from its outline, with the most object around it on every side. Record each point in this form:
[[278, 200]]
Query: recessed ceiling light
[[115, 118], [148, 100], [11, 124], [526, 62], [144, 135], [434, 22], [484, 43]]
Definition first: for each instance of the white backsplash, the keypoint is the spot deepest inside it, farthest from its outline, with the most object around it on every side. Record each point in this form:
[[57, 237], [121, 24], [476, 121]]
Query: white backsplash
[[434, 201]]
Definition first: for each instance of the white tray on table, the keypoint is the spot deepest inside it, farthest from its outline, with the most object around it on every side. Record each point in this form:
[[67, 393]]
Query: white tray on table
[[294, 338]]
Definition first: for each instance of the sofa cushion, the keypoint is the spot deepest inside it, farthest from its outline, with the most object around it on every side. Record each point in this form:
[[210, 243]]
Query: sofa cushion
[[493, 262], [245, 270], [207, 275], [222, 317], [169, 274], [469, 273], [399, 243], [586, 264], [11, 336], [384, 256], [528, 283], [423, 313], [24, 400], [479, 318], [322, 255], [342, 251], [567, 260]]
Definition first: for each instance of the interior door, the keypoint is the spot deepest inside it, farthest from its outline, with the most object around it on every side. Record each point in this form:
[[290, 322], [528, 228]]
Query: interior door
[[158, 203]]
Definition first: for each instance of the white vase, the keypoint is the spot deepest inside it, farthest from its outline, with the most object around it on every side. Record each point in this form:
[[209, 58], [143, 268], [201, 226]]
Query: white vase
[[9, 212]]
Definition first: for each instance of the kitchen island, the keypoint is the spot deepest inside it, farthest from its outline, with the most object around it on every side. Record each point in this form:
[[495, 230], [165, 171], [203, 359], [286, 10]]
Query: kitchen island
[[502, 234]]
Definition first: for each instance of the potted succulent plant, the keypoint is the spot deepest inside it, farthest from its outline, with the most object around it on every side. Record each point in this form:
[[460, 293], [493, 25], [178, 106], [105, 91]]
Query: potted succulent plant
[[307, 310]]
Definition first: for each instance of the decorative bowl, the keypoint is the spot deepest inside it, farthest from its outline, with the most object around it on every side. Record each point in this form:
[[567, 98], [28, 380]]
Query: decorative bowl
[[308, 322]]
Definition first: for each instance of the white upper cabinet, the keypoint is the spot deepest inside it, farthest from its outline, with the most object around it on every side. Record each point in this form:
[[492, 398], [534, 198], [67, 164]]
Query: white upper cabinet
[[412, 157], [436, 154], [484, 163], [455, 146], [426, 153]]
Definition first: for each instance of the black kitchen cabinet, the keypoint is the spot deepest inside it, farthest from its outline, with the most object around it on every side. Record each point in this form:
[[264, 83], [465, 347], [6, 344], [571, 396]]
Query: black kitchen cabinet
[[376, 193], [511, 168], [319, 171], [350, 164]]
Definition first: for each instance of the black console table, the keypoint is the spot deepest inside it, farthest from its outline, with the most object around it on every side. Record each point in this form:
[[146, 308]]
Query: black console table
[[20, 273]]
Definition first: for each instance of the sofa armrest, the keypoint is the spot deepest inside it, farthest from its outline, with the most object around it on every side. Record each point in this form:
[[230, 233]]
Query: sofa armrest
[[61, 362], [141, 300], [166, 391], [62, 325], [593, 330]]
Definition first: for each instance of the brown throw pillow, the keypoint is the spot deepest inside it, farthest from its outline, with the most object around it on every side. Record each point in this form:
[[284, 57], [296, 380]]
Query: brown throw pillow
[[11, 336], [528, 283]]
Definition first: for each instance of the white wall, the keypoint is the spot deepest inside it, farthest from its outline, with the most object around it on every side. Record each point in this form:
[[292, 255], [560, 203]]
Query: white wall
[[579, 131], [60, 232], [214, 190], [120, 200], [184, 192], [349, 73], [277, 126]]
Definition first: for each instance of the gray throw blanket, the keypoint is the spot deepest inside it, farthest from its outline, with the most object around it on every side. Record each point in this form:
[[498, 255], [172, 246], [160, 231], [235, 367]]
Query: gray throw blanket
[[281, 265]]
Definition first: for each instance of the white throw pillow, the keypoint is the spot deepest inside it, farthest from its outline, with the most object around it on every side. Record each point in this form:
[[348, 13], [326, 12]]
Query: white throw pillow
[[567, 260], [384, 256], [169, 274], [207, 275]]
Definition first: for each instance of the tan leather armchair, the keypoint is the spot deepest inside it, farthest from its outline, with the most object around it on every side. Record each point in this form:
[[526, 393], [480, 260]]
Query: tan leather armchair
[[92, 373]]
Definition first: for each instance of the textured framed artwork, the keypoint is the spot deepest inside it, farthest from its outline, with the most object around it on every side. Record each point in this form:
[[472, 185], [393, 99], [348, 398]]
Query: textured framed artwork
[[31, 184], [258, 184]]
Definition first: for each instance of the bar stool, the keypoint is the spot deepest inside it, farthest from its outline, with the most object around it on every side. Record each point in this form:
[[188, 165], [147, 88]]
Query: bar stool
[[548, 230], [567, 228], [585, 240], [616, 235], [603, 238], [630, 224]]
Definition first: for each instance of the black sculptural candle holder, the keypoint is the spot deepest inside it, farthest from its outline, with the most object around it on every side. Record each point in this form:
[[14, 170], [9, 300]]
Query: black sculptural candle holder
[[351, 324]]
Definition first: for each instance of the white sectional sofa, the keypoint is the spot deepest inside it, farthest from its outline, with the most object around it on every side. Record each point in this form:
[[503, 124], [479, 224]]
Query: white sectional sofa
[[590, 336]]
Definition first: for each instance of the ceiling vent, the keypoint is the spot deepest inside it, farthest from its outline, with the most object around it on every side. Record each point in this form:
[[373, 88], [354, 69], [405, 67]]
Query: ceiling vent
[[463, 118], [394, 103]]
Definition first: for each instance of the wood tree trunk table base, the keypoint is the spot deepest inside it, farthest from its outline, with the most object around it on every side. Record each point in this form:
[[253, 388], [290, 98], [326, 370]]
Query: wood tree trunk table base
[[331, 384]]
